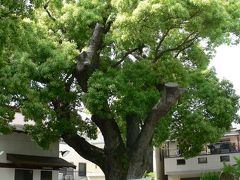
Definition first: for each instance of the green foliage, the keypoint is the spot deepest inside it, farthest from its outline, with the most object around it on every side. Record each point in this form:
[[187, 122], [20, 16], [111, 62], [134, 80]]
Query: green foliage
[[203, 110], [150, 174], [40, 41], [126, 91], [210, 176], [233, 169]]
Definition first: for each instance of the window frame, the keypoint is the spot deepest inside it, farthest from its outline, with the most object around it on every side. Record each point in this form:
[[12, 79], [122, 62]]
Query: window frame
[[181, 161], [225, 158], [202, 160], [43, 171], [23, 171], [82, 172]]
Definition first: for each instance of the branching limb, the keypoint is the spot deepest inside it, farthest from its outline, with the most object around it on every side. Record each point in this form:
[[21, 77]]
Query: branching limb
[[85, 149], [48, 12], [171, 95], [187, 42], [88, 60], [161, 41], [185, 47], [138, 153], [130, 51], [111, 133], [95, 45]]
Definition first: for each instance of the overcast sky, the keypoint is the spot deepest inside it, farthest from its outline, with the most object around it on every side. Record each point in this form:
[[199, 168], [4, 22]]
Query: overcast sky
[[227, 65]]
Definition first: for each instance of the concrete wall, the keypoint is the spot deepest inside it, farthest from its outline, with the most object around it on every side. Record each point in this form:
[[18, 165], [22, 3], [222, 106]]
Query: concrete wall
[[96, 178], [192, 165], [173, 178], [172, 148], [20, 143], [7, 173]]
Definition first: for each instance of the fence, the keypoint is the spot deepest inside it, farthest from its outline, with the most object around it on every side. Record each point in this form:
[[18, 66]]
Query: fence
[[70, 174]]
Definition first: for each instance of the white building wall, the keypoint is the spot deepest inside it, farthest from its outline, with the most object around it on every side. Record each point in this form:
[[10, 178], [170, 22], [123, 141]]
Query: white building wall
[[173, 178], [20, 143], [7, 174], [93, 171], [192, 165]]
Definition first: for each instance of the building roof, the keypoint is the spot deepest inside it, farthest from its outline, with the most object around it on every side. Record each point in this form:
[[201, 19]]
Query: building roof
[[38, 162]]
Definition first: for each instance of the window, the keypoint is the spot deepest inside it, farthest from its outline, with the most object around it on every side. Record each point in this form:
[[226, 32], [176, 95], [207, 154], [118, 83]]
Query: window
[[224, 158], [202, 160], [21, 174], [181, 161], [46, 175], [82, 168]]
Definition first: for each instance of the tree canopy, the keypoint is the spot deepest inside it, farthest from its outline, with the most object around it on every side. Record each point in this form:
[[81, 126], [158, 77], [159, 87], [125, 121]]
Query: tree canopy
[[139, 67]]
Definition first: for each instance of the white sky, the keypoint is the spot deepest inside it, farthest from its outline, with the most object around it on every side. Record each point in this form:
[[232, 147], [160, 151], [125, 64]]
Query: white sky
[[227, 65]]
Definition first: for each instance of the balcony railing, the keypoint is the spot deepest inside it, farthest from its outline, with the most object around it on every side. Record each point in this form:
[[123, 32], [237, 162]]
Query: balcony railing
[[217, 148]]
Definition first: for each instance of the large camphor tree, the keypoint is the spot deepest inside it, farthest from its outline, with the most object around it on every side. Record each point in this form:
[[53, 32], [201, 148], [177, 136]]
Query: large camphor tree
[[139, 67]]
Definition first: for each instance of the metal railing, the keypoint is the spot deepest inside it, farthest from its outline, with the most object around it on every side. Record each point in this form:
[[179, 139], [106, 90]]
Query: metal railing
[[217, 148], [70, 174]]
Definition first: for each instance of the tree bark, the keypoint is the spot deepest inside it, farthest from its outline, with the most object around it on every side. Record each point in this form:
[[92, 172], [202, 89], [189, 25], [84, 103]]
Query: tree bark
[[85, 149], [132, 130], [88, 60], [116, 166], [139, 165], [138, 155]]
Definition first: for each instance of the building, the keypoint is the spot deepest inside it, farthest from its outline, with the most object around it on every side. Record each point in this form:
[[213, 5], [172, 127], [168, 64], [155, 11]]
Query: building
[[172, 166], [22, 159], [85, 170]]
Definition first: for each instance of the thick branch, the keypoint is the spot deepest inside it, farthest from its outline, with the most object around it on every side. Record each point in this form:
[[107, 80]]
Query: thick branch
[[85, 149], [90, 57], [168, 100], [132, 131], [110, 132], [88, 60], [95, 44], [138, 155]]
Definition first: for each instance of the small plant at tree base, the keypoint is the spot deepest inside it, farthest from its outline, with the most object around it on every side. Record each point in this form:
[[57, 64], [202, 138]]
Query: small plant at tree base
[[210, 176], [149, 174]]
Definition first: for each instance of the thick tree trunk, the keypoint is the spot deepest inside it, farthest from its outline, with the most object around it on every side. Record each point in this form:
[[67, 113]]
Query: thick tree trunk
[[137, 170], [120, 161], [121, 169], [115, 171], [139, 164]]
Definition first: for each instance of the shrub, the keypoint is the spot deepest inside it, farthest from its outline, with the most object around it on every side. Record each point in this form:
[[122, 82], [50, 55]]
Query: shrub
[[210, 176]]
